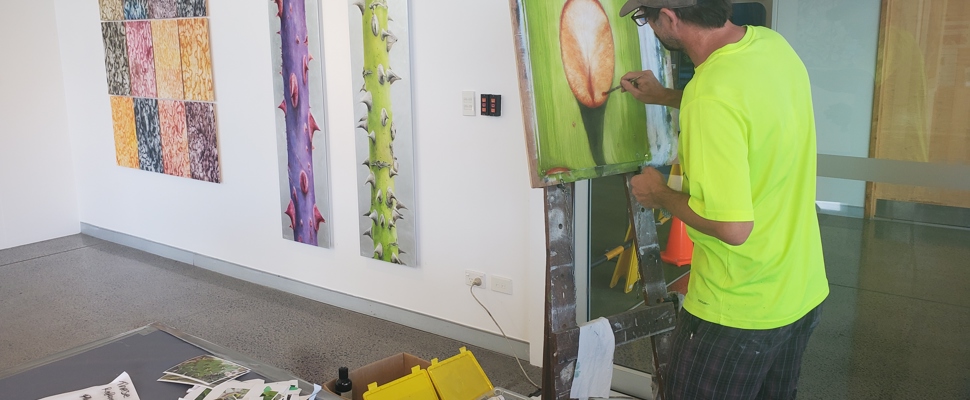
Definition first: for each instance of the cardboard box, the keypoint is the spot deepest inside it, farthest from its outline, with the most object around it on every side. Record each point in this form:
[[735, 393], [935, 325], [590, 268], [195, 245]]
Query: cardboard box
[[382, 372]]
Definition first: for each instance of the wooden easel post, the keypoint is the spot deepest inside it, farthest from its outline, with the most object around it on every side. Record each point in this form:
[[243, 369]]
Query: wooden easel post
[[653, 282], [561, 340], [560, 292]]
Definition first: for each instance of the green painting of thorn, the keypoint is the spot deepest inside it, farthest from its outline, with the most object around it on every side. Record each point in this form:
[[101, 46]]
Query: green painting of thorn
[[378, 128], [380, 119]]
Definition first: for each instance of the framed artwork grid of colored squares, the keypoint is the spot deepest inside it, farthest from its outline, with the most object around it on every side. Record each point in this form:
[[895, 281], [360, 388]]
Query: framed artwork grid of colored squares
[[158, 67]]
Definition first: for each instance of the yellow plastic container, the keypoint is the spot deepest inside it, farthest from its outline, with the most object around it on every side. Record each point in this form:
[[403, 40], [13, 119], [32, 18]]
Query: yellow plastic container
[[460, 378], [416, 386]]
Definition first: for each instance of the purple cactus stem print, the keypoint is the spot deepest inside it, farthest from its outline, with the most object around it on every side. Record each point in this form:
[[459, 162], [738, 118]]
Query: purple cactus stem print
[[304, 216]]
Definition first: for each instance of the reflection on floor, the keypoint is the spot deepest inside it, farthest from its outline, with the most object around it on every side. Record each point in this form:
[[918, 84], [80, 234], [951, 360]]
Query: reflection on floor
[[897, 322], [67, 292]]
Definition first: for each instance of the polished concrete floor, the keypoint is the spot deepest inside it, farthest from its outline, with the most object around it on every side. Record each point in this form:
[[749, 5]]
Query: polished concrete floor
[[67, 292], [896, 325], [897, 322]]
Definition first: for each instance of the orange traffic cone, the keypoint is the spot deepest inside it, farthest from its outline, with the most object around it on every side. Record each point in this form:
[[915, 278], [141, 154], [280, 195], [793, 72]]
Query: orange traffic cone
[[679, 246]]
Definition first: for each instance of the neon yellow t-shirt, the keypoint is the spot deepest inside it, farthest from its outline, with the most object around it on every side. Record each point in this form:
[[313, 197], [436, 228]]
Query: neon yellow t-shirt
[[748, 154]]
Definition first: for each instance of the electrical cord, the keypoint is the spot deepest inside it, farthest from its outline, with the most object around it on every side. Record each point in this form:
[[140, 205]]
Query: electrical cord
[[478, 282]]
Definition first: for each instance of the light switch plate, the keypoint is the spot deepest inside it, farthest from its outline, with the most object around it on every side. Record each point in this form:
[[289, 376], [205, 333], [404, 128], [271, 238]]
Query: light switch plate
[[468, 103]]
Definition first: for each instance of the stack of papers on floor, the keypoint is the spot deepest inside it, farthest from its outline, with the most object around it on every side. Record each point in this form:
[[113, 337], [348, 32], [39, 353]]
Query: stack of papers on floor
[[120, 387], [254, 389], [205, 370], [213, 378]]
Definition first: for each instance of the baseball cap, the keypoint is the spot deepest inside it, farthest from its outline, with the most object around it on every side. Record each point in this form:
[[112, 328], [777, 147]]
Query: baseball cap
[[635, 4]]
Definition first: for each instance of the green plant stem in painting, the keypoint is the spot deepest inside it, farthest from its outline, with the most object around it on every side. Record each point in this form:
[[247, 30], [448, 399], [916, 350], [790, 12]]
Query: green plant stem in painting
[[625, 125], [379, 128], [563, 140]]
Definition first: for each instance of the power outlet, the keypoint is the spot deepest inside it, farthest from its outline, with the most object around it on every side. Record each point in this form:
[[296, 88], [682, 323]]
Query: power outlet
[[471, 275], [502, 284]]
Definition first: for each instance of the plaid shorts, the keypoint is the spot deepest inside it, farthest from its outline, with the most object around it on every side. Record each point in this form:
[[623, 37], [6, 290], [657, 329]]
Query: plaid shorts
[[711, 361]]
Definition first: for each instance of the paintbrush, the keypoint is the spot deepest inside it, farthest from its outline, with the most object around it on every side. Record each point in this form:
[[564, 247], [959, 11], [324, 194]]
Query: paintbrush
[[634, 81]]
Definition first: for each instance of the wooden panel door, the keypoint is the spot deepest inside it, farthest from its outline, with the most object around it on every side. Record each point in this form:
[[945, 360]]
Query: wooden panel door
[[922, 97]]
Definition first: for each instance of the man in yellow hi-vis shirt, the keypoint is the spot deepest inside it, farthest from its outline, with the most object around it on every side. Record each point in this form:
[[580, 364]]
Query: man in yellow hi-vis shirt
[[747, 149]]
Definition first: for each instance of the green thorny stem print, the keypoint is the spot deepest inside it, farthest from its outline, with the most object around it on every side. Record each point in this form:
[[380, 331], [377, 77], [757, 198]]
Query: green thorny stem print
[[378, 125]]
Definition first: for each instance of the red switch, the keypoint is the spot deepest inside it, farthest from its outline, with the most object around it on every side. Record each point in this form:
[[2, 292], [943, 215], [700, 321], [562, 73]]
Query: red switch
[[492, 105]]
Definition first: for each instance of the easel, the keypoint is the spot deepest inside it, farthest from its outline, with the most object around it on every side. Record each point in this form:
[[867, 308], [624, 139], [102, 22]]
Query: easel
[[561, 339]]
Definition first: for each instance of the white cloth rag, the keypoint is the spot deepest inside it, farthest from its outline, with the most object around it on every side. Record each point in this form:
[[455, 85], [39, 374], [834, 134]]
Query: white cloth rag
[[594, 365]]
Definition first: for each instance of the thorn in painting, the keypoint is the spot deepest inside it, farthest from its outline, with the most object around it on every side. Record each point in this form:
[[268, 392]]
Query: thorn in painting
[[392, 77], [318, 218], [313, 124], [368, 99], [291, 212], [391, 40], [371, 179], [390, 196]]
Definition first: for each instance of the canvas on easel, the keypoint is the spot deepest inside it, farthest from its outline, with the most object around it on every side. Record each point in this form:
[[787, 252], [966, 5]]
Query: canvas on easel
[[570, 53]]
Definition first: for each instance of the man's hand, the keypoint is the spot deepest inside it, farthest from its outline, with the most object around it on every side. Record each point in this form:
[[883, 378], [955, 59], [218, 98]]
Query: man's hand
[[652, 192], [645, 87], [650, 189]]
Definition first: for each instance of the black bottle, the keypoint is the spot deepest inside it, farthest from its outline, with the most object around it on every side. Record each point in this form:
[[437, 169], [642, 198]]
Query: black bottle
[[344, 387]]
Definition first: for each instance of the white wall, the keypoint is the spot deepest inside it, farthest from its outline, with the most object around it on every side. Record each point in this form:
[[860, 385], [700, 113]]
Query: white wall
[[837, 41], [38, 200], [474, 208]]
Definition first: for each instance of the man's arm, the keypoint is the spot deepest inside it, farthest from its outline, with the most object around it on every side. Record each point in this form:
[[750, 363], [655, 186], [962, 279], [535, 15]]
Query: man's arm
[[651, 191], [645, 87]]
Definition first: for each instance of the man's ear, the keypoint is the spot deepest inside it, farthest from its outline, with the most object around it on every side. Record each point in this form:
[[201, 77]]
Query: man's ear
[[669, 15]]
